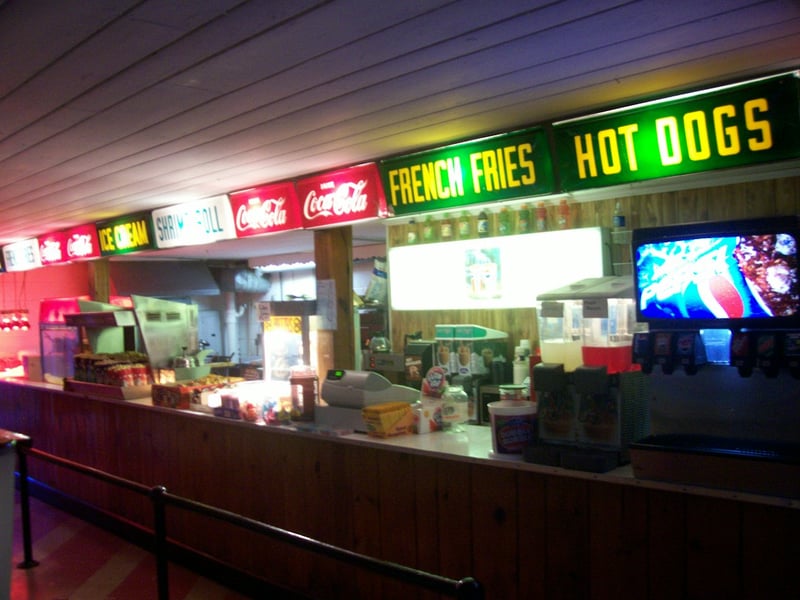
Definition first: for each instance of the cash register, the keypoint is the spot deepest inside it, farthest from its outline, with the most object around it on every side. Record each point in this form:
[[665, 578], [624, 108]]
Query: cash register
[[346, 392]]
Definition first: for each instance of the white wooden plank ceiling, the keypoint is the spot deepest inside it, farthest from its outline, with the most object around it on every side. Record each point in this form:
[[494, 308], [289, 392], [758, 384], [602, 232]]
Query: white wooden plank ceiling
[[108, 107]]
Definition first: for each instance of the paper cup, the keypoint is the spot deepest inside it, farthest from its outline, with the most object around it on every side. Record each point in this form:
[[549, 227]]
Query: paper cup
[[513, 426]]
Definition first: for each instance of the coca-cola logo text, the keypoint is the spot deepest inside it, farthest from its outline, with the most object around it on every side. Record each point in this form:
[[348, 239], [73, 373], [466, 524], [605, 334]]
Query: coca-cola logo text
[[256, 214], [50, 251], [346, 199], [80, 246]]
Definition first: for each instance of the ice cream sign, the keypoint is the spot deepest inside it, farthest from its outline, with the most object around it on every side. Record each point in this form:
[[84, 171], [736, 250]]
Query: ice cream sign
[[344, 196], [751, 123], [200, 222], [501, 167], [126, 234], [265, 209]]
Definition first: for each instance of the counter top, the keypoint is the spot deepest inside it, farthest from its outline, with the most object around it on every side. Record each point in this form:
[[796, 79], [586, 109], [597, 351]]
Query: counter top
[[474, 444]]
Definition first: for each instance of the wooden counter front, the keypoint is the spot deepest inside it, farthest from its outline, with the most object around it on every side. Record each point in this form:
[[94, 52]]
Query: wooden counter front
[[522, 530]]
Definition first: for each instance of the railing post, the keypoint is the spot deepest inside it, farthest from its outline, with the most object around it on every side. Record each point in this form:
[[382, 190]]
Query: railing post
[[469, 589], [160, 531], [25, 505]]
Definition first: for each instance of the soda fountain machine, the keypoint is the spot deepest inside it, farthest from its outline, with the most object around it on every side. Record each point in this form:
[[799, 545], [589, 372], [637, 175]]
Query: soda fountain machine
[[722, 303]]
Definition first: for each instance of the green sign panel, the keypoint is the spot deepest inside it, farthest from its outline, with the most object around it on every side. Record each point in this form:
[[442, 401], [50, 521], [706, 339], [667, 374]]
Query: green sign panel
[[747, 124], [130, 233], [514, 165]]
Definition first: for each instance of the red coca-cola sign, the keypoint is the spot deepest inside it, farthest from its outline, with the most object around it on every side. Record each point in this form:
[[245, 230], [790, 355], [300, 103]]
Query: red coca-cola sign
[[343, 196], [53, 248], [265, 209], [78, 243], [82, 243]]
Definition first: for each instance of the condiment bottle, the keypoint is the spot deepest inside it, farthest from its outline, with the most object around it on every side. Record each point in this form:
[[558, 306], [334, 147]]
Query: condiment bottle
[[446, 228], [483, 224], [563, 214], [504, 221], [464, 226], [412, 235], [541, 217], [428, 230], [524, 219]]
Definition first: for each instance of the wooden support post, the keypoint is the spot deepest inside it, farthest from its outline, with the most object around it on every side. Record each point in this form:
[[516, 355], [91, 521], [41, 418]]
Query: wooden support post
[[333, 255], [99, 280]]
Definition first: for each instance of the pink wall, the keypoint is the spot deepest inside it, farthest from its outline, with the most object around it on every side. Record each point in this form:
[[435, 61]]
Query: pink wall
[[26, 290]]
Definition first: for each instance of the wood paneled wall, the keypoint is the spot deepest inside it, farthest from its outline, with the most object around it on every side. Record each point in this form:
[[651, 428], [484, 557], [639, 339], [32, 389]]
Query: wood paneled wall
[[522, 533], [772, 197]]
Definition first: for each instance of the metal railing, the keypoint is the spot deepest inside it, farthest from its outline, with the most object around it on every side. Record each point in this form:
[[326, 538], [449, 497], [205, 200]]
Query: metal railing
[[467, 588]]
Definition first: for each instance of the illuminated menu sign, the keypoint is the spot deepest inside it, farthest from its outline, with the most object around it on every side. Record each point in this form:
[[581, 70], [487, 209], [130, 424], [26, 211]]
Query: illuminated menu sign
[[502, 167], [733, 126], [265, 209], [52, 248], [78, 243], [200, 222], [22, 256], [343, 196], [126, 234]]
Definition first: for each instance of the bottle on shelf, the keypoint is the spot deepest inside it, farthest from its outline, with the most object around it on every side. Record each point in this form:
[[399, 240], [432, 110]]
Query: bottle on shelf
[[504, 221], [412, 233], [524, 219], [563, 214], [464, 226], [541, 217], [483, 224], [428, 230], [446, 228]]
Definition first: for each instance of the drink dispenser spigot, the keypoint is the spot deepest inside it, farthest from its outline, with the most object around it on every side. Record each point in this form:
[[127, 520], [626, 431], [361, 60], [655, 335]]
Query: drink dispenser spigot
[[690, 351], [643, 351], [768, 352], [662, 351], [743, 355]]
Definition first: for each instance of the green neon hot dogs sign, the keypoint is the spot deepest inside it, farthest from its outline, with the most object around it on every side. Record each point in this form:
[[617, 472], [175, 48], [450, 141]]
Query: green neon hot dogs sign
[[734, 126]]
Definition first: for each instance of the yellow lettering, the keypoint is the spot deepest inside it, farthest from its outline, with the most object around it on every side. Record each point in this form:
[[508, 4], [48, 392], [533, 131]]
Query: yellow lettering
[[105, 238], [428, 183], [627, 131], [400, 186], [727, 137], [759, 105], [140, 235], [441, 192], [526, 164], [669, 147], [697, 142], [417, 186], [585, 156], [609, 152]]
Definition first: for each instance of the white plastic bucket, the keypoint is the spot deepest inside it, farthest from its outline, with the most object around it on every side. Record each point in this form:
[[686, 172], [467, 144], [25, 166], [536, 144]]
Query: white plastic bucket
[[513, 426]]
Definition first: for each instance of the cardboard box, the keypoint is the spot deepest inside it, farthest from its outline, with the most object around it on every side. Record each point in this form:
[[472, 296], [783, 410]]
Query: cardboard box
[[388, 419], [172, 396]]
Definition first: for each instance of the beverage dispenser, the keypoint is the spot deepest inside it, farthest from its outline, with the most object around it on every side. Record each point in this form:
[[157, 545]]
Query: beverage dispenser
[[722, 303], [590, 322], [592, 399]]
